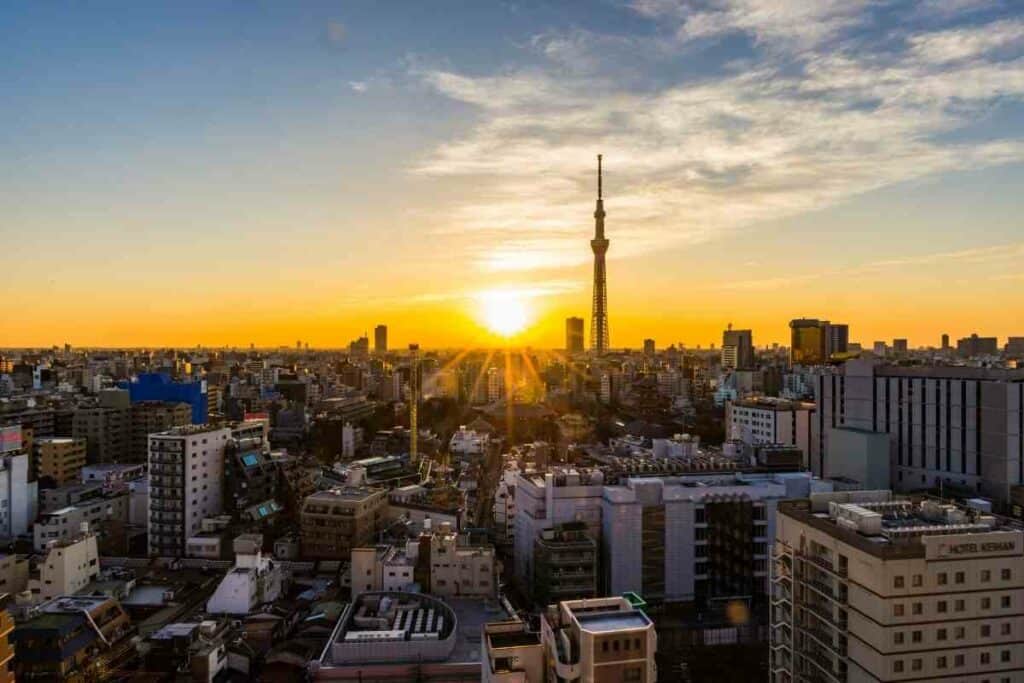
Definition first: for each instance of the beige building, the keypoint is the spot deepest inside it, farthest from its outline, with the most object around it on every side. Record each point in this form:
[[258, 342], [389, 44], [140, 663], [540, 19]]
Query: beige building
[[14, 570], [871, 587], [603, 640], [512, 654], [58, 458], [460, 568], [335, 521]]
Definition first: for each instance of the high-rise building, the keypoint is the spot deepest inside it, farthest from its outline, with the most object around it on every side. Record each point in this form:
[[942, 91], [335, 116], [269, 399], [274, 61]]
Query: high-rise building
[[599, 337], [1014, 346], [380, 339], [105, 426], [977, 346], [648, 347], [900, 347], [565, 564], [949, 427], [574, 335], [838, 338], [737, 349], [871, 587], [58, 458], [150, 417], [880, 348], [945, 342], [159, 387], [186, 466], [808, 341], [763, 420]]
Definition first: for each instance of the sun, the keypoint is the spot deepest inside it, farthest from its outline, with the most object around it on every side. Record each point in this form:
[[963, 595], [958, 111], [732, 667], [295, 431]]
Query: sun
[[504, 312]]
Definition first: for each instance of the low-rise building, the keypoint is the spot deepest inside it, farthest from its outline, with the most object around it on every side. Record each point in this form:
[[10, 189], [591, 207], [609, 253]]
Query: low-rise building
[[254, 580], [335, 521], [604, 639], [512, 654], [67, 567], [460, 566], [468, 443], [66, 523]]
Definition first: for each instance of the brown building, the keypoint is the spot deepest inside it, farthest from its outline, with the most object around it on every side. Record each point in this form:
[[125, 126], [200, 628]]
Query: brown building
[[106, 427], [58, 458], [334, 522], [152, 417]]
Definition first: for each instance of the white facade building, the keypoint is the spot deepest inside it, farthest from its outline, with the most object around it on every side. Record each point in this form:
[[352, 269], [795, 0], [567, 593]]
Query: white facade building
[[467, 442], [68, 568], [772, 421], [186, 466], [254, 581]]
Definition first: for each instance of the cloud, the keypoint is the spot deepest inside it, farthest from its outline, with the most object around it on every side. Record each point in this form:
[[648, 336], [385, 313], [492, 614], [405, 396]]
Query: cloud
[[358, 86], [337, 33], [812, 120]]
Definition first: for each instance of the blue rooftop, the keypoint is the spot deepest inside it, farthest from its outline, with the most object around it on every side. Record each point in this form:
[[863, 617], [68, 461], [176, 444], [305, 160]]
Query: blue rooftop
[[600, 622]]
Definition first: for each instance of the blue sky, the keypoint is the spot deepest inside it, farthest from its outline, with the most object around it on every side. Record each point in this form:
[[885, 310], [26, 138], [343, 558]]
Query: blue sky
[[765, 159]]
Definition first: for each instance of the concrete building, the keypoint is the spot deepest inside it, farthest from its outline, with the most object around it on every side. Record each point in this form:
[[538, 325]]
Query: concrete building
[[385, 568], [543, 500], [152, 417], [694, 538], [14, 577], [186, 466], [900, 347], [956, 428], [738, 349], [254, 580], [64, 524], [105, 426], [871, 587], [574, 335], [565, 564], [809, 341], [58, 458], [380, 339], [468, 443], [604, 640], [18, 495], [683, 446], [649, 348], [160, 387], [969, 347], [335, 521], [771, 421], [68, 566], [460, 567], [512, 654]]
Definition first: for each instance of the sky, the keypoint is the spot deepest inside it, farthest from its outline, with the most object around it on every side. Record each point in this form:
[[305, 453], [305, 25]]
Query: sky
[[226, 173]]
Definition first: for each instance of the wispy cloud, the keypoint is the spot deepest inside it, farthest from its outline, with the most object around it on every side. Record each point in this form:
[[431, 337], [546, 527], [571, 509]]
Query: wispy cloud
[[814, 119]]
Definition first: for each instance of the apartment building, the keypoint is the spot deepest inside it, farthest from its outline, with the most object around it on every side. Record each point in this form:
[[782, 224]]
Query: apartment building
[[153, 417], [460, 567], [58, 458], [764, 420], [869, 586], [105, 426], [512, 653], [565, 564], [186, 466]]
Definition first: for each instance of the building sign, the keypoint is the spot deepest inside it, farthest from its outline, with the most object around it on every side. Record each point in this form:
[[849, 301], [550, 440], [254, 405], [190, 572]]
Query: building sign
[[971, 546], [10, 438]]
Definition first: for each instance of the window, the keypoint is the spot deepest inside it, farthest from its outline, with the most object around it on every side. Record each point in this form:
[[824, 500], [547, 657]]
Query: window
[[958, 660], [897, 666], [940, 662], [986, 658], [916, 608], [959, 577], [604, 646], [941, 634], [941, 607], [1004, 656], [917, 581], [942, 578], [916, 636], [916, 664], [1005, 574], [959, 633], [897, 582], [958, 605], [1005, 629], [986, 630], [897, 610], [986, 575], [986, 603]]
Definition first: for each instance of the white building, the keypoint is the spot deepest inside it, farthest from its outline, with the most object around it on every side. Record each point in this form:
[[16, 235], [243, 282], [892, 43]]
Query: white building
[[385, 568], [18, 497], [467, 442], [254, 580], [683, 446], [459, 568], [657, 533], [772, 421], [66, 523], [870, 587], [69, 567], [186, 466], [542, 500]]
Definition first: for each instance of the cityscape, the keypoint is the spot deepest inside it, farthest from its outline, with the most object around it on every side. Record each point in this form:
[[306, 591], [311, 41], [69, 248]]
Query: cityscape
[[316, 414]]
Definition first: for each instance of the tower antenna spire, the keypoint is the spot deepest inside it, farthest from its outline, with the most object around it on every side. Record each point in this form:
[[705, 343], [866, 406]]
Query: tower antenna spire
[[599, 175]]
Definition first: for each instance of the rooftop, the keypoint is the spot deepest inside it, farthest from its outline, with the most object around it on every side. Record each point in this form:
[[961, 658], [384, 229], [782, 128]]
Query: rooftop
[[603, 622]]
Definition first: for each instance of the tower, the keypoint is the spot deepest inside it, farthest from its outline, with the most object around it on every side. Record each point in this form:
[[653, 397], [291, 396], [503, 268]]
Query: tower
[[414, 402], [599, 314]]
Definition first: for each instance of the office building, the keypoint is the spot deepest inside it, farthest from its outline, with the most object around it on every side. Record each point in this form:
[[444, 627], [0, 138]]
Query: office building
[[460, 566], [765, 420], [955, 428], [58, 459], [737, 349], [604, 639], [105, 426], [93, 511], [186, 466], [1014, 347], [880, 349], [972, 346], [565, 564], [574, 335], [335, 521], [694, 538], [157, 386], [649, 347], [380, 339], [871, 587], [808, 341], [151, 417], [67, 567], [945, 342], [900, 347]]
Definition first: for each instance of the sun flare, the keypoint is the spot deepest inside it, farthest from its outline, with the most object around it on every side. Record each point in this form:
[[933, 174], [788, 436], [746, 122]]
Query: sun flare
[[504, 313]]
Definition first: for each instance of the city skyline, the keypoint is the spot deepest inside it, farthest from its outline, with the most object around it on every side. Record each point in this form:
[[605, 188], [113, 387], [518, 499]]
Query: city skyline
[[313, 172]]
